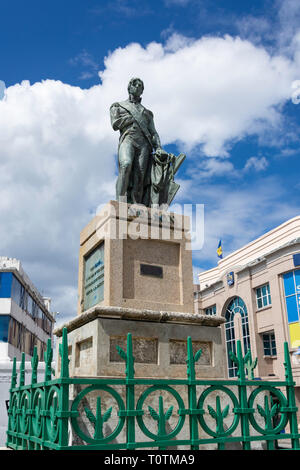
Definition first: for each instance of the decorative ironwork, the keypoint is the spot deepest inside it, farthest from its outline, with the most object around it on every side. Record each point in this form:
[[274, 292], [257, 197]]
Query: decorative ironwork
[[135, 413]]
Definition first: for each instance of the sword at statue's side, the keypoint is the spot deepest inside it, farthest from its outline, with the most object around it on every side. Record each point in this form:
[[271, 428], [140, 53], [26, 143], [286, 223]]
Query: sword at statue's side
[[178, 161]]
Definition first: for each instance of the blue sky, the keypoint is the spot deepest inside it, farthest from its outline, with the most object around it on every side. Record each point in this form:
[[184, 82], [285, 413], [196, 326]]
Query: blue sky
[[219, 77], [42, 40]]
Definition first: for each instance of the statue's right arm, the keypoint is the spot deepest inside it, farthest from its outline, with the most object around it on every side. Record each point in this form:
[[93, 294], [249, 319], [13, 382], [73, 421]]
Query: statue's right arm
[[119, 117]]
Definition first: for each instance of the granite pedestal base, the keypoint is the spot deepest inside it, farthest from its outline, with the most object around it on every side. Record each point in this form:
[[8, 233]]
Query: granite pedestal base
[[159, 343]]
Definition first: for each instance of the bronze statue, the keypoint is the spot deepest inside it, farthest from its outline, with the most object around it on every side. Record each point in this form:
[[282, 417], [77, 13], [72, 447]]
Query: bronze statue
[[144, 177]]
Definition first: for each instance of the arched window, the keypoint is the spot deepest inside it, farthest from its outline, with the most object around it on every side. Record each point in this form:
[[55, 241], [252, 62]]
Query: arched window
[[236, 328]]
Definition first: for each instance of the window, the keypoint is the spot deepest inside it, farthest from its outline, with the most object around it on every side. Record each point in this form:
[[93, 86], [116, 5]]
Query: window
[[19, 294], [40, 318], [35, 311], [23, 298], [291, 283], [5, 285], [4, 324], [30, 303], [236, 308], [47, 325], [269, 344], [17, 334], [211, 310], [16, 291], [32, 341], [263, 296]]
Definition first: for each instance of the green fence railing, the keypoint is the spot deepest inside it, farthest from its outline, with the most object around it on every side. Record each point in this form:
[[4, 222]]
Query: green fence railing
[[137, 413]]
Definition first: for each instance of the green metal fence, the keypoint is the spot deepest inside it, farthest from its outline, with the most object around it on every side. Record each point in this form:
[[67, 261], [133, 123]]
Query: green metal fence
[[41, 414]]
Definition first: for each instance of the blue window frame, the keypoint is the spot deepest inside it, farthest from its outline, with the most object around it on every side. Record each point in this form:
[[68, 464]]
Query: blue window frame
[[4, 325], [291, 282], [5, 285], [11, 287], [292, 309]]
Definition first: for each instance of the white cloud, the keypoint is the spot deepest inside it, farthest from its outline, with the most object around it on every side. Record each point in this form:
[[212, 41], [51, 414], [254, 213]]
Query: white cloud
[[208, 168], [277, 30], [258, 164], [176, 41], [211, 91], [2, 89], [254, 28], [58, 151], [289, 24], [86, 61]]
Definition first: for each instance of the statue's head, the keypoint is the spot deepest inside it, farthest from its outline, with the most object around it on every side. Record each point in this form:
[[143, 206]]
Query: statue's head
[[135, 87]]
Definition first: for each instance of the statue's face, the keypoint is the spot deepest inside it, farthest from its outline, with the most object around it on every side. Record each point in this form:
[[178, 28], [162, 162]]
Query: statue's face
[[136, 88]]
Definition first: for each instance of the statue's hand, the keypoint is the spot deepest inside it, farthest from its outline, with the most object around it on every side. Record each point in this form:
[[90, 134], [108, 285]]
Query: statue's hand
[[161, 153]]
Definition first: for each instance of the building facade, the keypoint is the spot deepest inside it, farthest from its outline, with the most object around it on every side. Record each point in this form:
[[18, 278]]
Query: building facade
[[25, 322], [257, 290], [25, 319]]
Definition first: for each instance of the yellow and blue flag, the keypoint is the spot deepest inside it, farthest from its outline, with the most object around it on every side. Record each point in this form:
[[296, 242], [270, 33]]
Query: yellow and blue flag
[[219, 250]]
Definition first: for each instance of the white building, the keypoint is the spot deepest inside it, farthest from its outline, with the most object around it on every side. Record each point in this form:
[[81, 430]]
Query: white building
[[25, 322], [25, 319], [257, 290]]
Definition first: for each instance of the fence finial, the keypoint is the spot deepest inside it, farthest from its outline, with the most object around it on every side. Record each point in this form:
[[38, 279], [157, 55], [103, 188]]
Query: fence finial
[[48, 355], [127, 357], [191, 359], [34, 365], [287, 363], [14, 374], [22, 370], [63, 351]]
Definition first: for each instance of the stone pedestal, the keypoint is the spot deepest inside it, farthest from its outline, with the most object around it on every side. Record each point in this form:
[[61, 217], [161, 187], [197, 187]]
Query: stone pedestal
[[159, 343], [136, 257], [136, 276]]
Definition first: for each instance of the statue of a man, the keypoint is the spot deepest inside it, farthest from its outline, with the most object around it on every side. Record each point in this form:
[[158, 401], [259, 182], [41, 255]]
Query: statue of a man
[[138, 139]]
